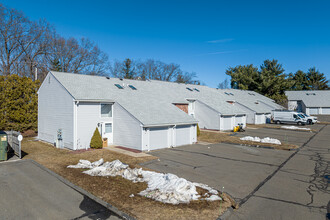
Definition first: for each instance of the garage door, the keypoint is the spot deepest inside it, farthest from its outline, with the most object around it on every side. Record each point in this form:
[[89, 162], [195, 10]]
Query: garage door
[[260, 119], [182, 135], [250, 118], [227, 123], [240, 120], [326, 111], [158, 138], [313, 111]]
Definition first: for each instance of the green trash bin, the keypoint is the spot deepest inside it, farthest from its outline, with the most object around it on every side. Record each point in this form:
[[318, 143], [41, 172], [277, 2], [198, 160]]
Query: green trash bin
[[3, 145]]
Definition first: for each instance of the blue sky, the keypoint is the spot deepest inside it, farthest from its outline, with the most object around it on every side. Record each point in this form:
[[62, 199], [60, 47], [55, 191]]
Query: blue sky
[[206, 37]]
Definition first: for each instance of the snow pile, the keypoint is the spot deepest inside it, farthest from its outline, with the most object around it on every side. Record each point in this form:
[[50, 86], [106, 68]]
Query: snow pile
[[166, 188], [295, 128], [263, 140]]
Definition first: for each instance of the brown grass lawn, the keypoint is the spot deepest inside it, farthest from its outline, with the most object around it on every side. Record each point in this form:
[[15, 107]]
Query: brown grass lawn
[[218, 137], [116, 190]]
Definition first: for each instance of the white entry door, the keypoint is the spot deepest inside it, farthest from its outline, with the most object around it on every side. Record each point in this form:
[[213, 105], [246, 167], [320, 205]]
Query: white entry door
[[106, 131]]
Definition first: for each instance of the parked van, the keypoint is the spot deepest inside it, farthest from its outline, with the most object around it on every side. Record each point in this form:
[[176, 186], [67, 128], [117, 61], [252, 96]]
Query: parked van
[[290, 117]]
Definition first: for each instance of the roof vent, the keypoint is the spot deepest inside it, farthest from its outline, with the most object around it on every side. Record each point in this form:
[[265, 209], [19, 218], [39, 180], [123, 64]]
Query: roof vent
[[107, 77], [121, 79]]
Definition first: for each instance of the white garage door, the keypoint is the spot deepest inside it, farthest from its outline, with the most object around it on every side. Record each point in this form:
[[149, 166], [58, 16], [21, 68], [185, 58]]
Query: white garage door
[[250, 118], [227, 123], [313, 111], [183, 135], [240, 120], [158, 138], [326, 111], [260, 119]]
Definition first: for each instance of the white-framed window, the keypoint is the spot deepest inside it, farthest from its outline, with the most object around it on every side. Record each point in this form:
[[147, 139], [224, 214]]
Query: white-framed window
[[108, 128], [106, 110]]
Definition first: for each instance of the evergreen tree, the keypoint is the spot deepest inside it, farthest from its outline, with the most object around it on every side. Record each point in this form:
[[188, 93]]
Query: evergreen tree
[[243, 77], [96, 141], [316, 80], [299, 80], [128, 70]]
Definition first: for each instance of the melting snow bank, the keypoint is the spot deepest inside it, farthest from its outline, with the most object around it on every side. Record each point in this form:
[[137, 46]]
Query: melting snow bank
[[295, 128], [263, 140], [166, 188]]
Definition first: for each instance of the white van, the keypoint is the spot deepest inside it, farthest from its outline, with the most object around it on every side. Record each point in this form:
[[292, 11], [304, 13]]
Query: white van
[[310, 119], [286, 116]]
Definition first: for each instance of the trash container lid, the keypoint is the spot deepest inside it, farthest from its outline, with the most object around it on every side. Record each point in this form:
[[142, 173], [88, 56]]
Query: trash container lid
[[2, 133]]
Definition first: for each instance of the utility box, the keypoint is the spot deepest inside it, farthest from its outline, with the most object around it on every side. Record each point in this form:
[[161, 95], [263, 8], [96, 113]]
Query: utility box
[[3, 145], [104, 142]]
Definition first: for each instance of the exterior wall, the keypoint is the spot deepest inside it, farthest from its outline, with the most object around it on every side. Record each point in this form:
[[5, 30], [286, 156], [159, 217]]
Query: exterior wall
[[183, 107], [55, 111], [206, 116], [127, 130], [89, 118], [250, 115]]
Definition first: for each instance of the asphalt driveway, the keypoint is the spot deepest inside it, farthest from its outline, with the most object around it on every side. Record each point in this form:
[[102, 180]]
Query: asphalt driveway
[[29, 192], [268, 184]]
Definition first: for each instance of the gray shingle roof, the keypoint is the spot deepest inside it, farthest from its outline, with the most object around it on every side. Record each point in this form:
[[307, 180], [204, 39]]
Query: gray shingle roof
[[152, 102], [311, 98]]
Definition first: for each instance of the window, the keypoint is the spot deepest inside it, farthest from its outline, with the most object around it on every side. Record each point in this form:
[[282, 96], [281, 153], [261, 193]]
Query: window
[[294, 116], [132, 87], [106, 110], [108, 128], [196, 89], [119, 86], [189, 89]]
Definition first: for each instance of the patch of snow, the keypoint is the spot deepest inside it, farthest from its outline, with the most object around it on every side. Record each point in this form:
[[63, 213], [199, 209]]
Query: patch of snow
[[166, 188], [132, 195], [295, 128], [263, 140]]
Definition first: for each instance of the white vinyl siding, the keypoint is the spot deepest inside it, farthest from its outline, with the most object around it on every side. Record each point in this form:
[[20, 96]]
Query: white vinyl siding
[[55, 111], [88, 119], [158, 138], [127, 130], [183, 135], [206, 116]]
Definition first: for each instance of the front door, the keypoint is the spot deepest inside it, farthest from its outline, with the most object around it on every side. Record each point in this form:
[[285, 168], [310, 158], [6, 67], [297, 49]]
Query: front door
[[107, 131]]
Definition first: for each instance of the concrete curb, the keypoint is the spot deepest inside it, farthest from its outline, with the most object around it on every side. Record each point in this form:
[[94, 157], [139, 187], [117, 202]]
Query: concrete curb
[[308, 131], [84, 192], [250, 145]]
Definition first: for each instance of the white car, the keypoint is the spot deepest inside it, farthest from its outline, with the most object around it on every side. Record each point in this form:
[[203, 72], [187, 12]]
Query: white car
[[310, 119]]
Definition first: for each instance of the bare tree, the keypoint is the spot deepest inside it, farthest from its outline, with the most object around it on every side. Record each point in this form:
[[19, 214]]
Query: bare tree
[[71, 55], [17, 35]]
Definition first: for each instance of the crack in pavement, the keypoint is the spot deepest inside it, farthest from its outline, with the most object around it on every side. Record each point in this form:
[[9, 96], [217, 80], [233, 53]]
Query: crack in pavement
[[318, 181], [244, 200], [291, 202]]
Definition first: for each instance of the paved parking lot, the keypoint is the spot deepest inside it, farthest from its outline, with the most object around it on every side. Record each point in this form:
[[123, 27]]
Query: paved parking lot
[[29, 192], [269, 184]]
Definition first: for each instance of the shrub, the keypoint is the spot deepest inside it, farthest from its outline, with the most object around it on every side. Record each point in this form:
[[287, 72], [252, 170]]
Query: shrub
[[198, 131], [96, 141]]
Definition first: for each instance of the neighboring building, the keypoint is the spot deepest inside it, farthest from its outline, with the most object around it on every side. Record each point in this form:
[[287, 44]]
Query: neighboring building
[[311, 102]]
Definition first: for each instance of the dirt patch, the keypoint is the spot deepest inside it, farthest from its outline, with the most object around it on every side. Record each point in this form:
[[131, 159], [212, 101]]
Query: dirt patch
[[218, 137], [117, 190]]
